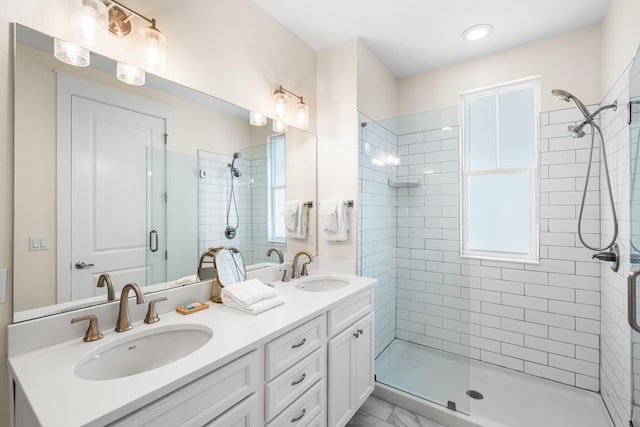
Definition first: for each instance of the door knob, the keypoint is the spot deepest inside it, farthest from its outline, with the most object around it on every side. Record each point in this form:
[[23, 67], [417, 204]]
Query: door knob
[[81, 265]]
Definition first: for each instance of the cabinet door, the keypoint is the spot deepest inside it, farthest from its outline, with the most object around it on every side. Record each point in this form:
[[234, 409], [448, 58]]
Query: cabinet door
[[341, 394], [364, 379]]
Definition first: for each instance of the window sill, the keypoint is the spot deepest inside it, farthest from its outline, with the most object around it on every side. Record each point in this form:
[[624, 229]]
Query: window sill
[[499, 259]]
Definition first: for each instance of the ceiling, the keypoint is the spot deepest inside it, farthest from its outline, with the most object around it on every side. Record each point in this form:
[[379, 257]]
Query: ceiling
[[414, 36]]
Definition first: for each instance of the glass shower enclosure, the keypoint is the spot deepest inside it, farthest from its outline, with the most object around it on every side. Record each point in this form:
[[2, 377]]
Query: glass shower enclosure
[[409, 238]]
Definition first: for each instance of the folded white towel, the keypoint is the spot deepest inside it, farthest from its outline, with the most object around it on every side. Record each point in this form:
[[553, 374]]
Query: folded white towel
[[342, 219], [258, 307], [247, 293], [328, 213]]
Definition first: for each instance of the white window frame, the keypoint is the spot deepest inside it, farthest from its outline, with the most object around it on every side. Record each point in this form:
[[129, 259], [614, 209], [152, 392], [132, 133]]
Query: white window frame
[[533, 255], [271, 189]]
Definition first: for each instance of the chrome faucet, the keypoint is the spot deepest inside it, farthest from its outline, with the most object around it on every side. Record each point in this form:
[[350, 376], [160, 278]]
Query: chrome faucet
[[294, 273], [279, 252], [105, 279], [124, 321]]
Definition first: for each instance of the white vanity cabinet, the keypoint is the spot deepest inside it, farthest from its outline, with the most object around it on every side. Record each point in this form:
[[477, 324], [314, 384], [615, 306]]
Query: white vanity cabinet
[[307, 363], [350, 353], [228, 396], [295, 370]]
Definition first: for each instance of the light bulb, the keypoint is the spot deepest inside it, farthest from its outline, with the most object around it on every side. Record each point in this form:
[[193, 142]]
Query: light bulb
[[152, 51], [279, 126], [257, 119], [130, 75], [90, 20], [302, 114], [71, 54], [280, 99]]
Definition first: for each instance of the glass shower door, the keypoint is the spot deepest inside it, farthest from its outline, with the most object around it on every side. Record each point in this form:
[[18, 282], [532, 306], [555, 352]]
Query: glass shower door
[[409, 241], [156, 215], [634, 202]]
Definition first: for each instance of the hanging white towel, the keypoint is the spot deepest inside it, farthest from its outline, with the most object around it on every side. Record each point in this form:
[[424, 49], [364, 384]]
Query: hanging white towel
[[295, 219], [328, 213], [290, 213], [342, 218], [251, 296]]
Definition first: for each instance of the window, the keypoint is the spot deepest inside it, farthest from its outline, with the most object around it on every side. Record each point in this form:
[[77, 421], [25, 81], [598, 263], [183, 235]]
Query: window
[[276, 188], [499, 172]]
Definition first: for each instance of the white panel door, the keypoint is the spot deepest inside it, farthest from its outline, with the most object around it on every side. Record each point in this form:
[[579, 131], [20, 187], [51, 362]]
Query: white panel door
[[109, 200]]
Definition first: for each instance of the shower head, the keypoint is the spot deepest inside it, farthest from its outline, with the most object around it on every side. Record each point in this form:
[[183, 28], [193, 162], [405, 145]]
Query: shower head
[[563, 95], [234, 170]]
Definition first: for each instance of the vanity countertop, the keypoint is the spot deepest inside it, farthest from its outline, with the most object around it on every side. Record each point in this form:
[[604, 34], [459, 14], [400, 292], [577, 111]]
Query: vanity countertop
[[58, 397]]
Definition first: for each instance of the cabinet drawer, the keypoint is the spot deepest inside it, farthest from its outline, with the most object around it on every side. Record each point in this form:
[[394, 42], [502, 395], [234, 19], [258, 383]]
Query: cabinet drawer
[[303, 410], [203, 399], [347, 313], [292, 383], [319, 421], [288, 349], [244, 414]]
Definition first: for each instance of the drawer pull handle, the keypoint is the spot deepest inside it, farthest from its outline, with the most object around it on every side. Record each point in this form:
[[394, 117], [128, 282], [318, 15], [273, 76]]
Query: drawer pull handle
[[299, 417], [360, 331], [356, 334], [300, 344], [300, 380]]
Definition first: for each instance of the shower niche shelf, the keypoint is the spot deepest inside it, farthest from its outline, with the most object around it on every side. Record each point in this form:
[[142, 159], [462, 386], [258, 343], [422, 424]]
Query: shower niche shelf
[[404, 182]]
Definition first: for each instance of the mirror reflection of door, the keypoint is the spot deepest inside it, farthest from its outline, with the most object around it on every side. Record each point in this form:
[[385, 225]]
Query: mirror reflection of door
[[111, 206], [111, 149]]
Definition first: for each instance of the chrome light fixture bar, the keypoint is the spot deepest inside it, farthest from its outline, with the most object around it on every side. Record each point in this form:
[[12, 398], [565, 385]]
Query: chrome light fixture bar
[[302, 109]]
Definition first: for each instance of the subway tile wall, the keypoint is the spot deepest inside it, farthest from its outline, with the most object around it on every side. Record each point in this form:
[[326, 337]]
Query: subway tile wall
[[213, 199], [542, 319]]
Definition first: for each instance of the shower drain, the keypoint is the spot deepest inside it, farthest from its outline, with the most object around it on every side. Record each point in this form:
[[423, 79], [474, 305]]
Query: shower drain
[[475, 394]]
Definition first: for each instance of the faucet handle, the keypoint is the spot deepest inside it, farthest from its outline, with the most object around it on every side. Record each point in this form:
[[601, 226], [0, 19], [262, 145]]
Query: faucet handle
[[305, 272], [285, 274], [93, 333], [152, 314]]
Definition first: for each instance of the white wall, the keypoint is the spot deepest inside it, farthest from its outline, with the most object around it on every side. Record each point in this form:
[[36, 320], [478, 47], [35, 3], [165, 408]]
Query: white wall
[[620, 39], [229, 49], [377, 87], [338, 137], [570, 62]]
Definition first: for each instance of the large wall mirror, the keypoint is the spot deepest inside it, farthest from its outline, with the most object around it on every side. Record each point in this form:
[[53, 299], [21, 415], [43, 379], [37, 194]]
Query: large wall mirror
[[136, 181]]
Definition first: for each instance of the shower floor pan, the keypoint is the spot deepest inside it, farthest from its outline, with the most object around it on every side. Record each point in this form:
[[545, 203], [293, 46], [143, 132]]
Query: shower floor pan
[[405, 372]]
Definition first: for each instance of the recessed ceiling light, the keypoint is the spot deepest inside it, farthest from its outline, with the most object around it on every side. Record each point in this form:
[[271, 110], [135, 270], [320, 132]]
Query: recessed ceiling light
[[477, 32]]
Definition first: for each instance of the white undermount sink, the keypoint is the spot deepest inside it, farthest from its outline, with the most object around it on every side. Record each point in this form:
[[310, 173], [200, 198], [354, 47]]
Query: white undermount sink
[[142, 351], [322, 283]]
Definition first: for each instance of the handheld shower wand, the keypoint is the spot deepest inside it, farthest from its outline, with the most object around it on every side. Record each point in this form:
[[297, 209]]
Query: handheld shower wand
[[578, 132], [230, 231]]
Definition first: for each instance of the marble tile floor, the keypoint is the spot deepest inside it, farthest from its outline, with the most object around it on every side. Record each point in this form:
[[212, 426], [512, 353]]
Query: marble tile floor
[[376, 412]]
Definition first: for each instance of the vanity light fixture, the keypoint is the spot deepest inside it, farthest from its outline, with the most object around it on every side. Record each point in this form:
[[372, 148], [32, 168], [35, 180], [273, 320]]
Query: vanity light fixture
[[89, 20], [71, 54], [130, 75], [92, 18], [302, 109], [257, 119], [279, 126], [477, 32]]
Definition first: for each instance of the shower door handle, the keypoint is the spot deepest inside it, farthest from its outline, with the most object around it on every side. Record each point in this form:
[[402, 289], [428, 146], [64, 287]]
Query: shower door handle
[[153, 241], [631, 299]]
